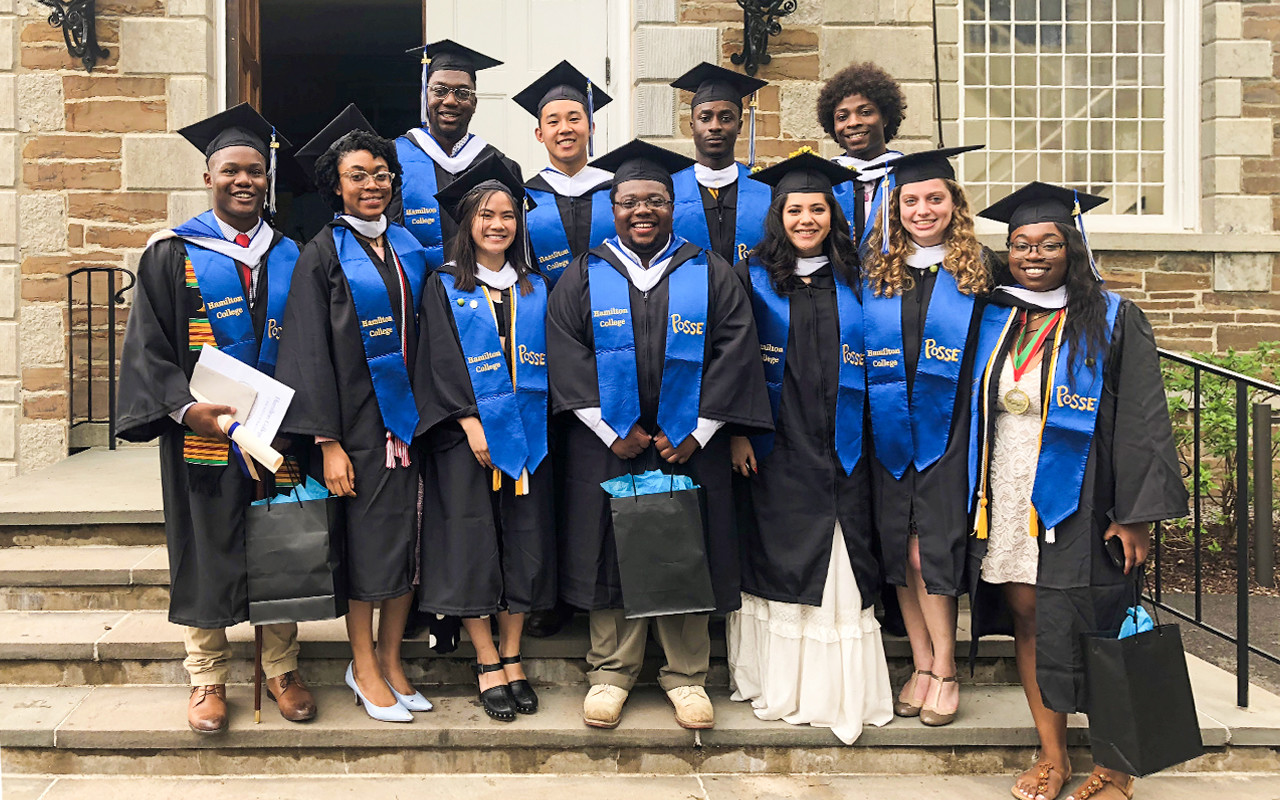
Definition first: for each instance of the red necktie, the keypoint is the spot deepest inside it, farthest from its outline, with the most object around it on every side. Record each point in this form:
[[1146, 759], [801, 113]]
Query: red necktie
[[246, 274]]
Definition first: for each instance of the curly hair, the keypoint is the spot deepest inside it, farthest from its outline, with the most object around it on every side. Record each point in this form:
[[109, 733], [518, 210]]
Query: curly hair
[[871, 82], [888, 274], [327, 180], [462, 248], [778, 255]]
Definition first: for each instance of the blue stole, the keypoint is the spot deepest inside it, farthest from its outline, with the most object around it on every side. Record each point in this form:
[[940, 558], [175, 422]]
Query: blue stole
[[224, 295], [377, 323], [418, 197], [548, 237], [773, 323], [690, 218], [615, 344], [513, 411], [933, 394], [1069, 415]]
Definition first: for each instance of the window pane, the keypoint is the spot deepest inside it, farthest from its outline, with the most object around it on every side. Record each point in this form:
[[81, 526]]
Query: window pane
[[1024, 71]]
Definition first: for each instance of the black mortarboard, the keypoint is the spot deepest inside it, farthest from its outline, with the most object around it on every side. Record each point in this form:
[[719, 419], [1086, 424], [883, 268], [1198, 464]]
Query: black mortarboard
[[237, 126], [448, 54], [926, 165], [709, 83], [348, 120], [1041, 202], [486, 173], [561, 82], [640, 161], [804, 171]]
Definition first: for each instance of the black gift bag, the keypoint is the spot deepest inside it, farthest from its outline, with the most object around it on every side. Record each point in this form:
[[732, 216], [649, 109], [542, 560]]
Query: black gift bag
[[662, 553], [294, 552], [1142, 716]]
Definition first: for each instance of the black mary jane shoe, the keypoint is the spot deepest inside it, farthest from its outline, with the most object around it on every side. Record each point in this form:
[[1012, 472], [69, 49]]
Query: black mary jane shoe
[[526, 699], [497, 701]]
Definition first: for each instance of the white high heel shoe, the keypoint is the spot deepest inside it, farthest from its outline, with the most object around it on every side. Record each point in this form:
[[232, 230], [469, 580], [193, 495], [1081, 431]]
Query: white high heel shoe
[[392, 713], [413, 702]]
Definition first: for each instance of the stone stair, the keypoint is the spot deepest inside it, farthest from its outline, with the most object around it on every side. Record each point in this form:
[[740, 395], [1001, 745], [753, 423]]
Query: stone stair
[[91, 682]]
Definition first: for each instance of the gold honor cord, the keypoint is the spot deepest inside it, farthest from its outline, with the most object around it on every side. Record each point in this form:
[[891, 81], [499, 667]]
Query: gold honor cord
[[522, 484]]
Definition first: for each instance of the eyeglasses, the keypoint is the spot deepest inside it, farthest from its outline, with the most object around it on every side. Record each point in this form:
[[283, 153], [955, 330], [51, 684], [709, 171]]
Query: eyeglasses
[[360, 177], [1044, 248], [462, 93], [651, 203]]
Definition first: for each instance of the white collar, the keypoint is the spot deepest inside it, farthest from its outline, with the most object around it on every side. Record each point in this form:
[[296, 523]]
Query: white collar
[[869, 170], [807, 266], [585, 180], [715, 178], [229, 233], [501, 280], [369, 229], [644, 279], [251, 256], [1051, 300], [461, 157], [925, 257]]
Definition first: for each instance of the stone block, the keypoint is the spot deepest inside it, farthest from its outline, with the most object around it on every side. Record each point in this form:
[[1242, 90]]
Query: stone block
[[1221, 98], [7, 40], [164, 46], [798, 101], [920, 119], [665, 53], [8, 109], [1238, 137], [164, 161], [875, 11], [54, 175], [117, 116], [655, 110], [98, 87], [655, 11], [8, 159], [8, 218], [40, 102], [9, 391], [948, 26], [71, 147], [41, 444], [41, 337], [906, 53], [1237, 214], [129, 207], [1220, 176], [185, 205], [42, 223], [8, 291], [1242, 272], [188, 101], [9, 350], [1250, 58], [8, 432], [190, 8], [1221, 21]]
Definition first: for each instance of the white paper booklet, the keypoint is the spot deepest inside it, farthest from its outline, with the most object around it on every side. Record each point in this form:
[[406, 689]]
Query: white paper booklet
[[269, 400]]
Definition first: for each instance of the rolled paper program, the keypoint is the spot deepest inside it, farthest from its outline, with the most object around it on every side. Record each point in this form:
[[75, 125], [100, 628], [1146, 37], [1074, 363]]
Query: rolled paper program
[[262, 452]]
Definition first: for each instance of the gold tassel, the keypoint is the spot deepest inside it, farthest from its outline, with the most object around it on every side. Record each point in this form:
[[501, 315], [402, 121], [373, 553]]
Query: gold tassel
[[522, 484], [1034, 530], [980, 521], [497, 480]]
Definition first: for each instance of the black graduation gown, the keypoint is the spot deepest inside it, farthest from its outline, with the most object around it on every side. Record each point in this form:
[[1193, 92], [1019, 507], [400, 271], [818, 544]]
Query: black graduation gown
[[801, 490], [322, 358], [483, 551], [722, 219], [732, 391], [933, 503], [395, 209], [1132, 475], [575, 212], [204, 526]]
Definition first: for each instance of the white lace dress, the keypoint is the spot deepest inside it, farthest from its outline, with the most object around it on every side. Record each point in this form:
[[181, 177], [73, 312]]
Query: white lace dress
[[1012, 552], [816, 665]]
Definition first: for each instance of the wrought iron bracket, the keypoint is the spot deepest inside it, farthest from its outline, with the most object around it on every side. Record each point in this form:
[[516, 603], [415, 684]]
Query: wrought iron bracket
[[759, 22], [77, 18]]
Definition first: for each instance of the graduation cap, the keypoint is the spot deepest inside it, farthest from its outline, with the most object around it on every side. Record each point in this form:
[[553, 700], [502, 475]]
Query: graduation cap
[[1045, 202], [710, 83], [640, 161], [348, 120], [239, 126], [804, 171], [485, 174], [926, 165], [447, 54], [564, 82]]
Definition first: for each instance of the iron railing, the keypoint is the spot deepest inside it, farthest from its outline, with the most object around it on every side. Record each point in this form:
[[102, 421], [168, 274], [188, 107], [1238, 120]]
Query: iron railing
[[1242, 385], [89, 379]]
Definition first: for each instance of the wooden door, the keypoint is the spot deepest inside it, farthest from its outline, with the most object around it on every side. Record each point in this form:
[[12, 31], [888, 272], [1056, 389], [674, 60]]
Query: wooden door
[[244, 53]]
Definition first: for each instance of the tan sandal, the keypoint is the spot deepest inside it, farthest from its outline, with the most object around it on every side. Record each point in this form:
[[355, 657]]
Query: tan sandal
[[1044, 772], [930, 715], [1103, 787], [903, 708]]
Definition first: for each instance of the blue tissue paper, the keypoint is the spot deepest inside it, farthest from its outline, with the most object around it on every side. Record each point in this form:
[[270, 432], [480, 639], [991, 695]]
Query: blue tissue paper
[[652, 482], [311, 490], [1136, 620]]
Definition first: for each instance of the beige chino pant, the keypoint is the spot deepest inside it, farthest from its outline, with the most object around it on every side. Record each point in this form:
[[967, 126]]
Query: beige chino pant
[[209, 652], [617, 649]]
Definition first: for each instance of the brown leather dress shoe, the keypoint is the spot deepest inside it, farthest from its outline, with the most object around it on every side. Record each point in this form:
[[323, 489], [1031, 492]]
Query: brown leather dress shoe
[[207, 709], [293, 697]]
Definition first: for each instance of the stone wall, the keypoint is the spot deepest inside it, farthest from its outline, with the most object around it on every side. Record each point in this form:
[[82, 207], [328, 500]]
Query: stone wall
[[90, 169]]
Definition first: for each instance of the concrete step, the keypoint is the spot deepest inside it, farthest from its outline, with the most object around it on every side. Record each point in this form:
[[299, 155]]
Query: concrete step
[[142, 729], [89, 577], [68, 648]]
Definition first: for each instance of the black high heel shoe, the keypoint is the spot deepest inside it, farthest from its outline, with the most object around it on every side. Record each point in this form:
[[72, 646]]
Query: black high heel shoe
[[497, 701], [522, 693]]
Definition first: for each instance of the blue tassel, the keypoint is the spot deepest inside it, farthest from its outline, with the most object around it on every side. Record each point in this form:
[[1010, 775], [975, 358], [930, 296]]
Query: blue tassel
[[591, 122], [888, 184]]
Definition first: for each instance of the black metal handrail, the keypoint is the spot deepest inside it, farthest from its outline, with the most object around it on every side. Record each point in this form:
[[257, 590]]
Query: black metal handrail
[[1243, 384], [114, 298]]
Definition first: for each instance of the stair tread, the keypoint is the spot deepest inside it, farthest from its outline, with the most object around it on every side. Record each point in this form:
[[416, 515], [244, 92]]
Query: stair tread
[[97, 486], [87, 565]]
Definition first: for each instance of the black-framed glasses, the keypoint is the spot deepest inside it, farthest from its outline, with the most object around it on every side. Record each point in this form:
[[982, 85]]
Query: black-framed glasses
[[359, 177], [651, 203], [462, 93], [1044, 248]]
